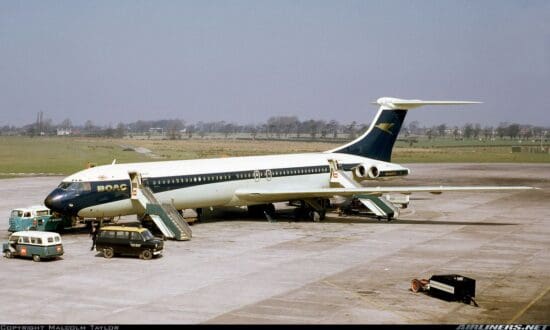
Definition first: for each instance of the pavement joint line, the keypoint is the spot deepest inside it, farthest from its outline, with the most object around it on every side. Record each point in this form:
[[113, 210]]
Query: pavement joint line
[[534, 301]]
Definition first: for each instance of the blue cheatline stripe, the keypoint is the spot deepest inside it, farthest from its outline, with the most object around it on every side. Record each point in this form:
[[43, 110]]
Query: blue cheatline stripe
[[160, 184]]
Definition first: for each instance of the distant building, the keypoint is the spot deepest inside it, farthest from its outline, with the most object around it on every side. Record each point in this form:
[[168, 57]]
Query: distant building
[[156, 131], [64, 131]]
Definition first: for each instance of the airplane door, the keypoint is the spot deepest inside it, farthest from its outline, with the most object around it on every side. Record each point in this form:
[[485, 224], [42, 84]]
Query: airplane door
[[135, 182], [268, 175], [256, 175]]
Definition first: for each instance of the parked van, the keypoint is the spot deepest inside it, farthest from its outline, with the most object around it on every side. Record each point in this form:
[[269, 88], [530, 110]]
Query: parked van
[[136, 241], [41, 218], [37, 245], [36, 217]]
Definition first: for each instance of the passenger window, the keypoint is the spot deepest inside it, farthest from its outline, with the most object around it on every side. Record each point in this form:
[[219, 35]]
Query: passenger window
[[57, 239], [134, 236], [38, 241], [26, 239], [107, 234], [122, 234], [50, 239], [33, 240], [27, 214]]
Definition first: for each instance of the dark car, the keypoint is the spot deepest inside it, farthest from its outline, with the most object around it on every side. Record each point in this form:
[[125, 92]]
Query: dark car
[[123, 240]]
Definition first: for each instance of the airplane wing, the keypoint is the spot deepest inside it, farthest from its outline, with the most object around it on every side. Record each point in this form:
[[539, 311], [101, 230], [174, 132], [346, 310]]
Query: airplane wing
[[273, 195]]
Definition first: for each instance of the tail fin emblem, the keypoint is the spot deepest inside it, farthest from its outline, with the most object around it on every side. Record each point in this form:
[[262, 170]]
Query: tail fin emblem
[[385, 127]]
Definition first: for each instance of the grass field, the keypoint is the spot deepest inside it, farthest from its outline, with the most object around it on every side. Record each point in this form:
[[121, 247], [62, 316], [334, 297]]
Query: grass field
[[58, 155], [65, 155]]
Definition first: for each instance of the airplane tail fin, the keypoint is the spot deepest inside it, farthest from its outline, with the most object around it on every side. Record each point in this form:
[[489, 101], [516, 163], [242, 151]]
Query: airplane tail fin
[[377, 142]]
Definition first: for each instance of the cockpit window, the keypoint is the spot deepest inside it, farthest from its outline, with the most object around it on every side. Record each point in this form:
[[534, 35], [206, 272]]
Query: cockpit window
[[77, 186], [64, 185]]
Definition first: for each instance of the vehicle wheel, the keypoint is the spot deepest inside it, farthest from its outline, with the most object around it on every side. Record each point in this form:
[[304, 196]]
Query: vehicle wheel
[[108, 253], [8, 254], [36, 258], [146, 255]]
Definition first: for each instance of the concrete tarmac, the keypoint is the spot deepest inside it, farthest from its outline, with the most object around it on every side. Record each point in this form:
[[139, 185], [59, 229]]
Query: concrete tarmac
[[342, 270]]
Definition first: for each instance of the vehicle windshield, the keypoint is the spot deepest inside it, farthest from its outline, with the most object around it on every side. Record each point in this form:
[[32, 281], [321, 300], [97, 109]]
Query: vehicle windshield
[[147, 235], [75, 186], [16, 214]]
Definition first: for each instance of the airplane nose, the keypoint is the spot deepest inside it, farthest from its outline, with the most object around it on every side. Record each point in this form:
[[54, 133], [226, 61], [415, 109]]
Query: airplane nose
[[56, 201], [52, 201]]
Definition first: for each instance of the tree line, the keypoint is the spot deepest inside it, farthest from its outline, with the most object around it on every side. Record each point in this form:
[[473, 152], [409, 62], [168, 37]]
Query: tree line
[[476, 131], [276, 127]]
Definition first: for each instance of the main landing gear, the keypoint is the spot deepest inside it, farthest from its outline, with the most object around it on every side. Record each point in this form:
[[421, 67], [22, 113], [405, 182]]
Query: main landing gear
[[311, 209]]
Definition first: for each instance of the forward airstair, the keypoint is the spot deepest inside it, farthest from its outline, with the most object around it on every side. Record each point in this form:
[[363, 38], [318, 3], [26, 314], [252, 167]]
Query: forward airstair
[[168, 220]]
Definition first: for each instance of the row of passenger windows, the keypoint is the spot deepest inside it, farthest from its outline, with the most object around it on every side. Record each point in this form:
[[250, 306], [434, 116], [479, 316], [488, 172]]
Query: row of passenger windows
[[121, 234], [241, 175], [33, 240]]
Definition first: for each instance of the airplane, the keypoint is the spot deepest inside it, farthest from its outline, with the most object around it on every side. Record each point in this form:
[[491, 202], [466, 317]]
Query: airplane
[[308, 180]]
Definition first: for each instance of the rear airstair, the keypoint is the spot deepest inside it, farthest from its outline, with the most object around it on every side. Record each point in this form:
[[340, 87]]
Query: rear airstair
[[168, 220], [379, 205]]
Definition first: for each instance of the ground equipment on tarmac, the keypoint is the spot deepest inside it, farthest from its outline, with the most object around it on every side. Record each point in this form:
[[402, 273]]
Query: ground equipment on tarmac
[[451, 287]]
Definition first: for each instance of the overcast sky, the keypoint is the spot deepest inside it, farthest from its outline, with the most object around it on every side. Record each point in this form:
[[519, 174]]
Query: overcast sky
[[245, 61]]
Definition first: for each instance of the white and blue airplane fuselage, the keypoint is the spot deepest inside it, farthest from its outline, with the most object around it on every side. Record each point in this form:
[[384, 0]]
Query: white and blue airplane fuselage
[[105, 191]]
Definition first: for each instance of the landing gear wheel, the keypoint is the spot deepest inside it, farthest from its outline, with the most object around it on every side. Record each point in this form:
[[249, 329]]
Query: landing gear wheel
[[300, 213], [146, 255], [8, 254], [108, 253], [199, 214], [36, 258]]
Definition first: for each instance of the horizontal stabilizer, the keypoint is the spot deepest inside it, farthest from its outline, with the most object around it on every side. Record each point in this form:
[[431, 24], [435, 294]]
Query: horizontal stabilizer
[[395, 103]]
